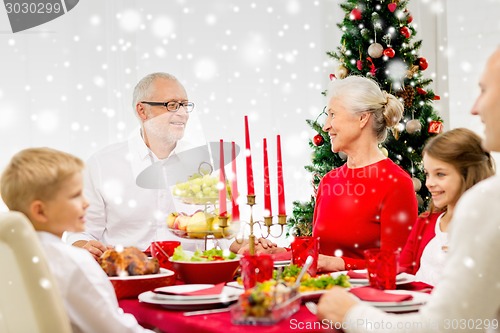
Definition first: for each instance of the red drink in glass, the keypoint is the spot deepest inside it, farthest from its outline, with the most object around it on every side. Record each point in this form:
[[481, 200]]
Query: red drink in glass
[[382, 266], [256, 268], [305, 246]]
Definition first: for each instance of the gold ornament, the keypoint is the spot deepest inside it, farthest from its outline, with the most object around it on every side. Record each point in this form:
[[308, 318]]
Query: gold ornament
[[342, 72], [411, 71], [395, 132]]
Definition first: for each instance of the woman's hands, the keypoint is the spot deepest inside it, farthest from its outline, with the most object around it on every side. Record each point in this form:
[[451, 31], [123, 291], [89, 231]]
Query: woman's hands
[[330, 264], [262, 245]]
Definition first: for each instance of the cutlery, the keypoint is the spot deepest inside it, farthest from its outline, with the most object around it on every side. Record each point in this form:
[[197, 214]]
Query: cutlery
[[205, 312], [312, 307], [308, 263]]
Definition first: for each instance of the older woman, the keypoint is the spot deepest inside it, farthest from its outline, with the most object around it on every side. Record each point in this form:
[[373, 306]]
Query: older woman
[[369, 202]]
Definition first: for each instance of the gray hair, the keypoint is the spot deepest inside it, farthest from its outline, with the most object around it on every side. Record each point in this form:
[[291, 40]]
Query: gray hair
[[361, 94], [142, 90]]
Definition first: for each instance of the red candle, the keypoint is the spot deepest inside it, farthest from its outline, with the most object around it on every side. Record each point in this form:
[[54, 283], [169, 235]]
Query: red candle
[[234, 186], [222, 180], [281, 187], [267, 187], [248, 154]]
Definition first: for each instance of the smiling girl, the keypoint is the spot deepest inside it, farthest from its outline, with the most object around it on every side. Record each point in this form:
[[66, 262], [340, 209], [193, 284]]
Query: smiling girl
[[453, 162]]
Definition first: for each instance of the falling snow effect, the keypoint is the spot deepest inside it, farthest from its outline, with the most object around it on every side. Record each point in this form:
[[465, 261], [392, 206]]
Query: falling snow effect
[[68, 84]]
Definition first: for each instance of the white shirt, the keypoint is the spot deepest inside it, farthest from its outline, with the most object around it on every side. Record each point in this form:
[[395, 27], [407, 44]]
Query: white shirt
[[433, 257], [468, 294], [120, 211], [88, 295]]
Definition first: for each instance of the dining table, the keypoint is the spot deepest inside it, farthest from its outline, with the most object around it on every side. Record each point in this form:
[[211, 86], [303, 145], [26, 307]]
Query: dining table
[[169, 321]]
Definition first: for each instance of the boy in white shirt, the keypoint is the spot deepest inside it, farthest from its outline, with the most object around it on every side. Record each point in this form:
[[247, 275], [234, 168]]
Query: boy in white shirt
[[46, 185]]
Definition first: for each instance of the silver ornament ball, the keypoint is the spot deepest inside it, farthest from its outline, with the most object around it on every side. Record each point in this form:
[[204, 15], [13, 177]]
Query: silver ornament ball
[[413, 126], [342, 155], [375, 50], [417, 184]]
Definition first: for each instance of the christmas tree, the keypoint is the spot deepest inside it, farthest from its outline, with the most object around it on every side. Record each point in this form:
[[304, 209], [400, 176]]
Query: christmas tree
[[377, 42]]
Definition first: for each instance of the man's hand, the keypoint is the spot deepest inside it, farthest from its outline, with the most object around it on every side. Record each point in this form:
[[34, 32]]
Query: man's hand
[[95, 248], [334, 304]]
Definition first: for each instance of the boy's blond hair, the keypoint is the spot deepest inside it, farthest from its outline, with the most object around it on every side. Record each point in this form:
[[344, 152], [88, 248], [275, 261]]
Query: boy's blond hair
[[36, 174]]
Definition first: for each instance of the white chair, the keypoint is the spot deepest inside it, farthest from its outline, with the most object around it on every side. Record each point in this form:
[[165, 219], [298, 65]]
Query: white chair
[[29, 299]]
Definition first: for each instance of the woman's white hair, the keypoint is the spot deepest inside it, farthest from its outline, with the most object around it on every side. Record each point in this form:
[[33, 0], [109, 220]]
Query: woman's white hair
[[360, 94]]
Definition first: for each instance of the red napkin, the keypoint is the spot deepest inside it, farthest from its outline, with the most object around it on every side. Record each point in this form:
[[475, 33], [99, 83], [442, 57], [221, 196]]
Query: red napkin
[[215, 290], [416, 286], [282, 256], [370, 294], [357, 275]]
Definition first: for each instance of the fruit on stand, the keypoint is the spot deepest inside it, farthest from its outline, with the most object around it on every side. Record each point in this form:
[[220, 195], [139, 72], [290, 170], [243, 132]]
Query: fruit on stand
[[198, 189], [197, 225]]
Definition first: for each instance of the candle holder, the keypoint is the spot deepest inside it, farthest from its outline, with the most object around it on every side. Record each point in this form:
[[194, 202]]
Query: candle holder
[[267, 222]]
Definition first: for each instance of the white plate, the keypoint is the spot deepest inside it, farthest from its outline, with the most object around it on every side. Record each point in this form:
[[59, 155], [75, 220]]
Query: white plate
[[400, 278], [282, 263], [163, 272], [417, 300], [229, 295], [186, 288]]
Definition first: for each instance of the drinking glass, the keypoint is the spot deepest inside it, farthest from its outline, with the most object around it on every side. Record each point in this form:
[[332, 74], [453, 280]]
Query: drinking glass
[[382, 266]]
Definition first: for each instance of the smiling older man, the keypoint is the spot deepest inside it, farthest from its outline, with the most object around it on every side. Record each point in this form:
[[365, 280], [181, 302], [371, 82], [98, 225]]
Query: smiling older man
[[121, 212]]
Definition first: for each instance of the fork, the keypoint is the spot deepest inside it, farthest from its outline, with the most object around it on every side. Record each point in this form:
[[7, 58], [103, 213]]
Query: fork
[[312, 307]]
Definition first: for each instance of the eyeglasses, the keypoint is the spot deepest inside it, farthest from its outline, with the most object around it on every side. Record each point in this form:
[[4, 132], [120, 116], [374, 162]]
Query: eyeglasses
[[173, 106]]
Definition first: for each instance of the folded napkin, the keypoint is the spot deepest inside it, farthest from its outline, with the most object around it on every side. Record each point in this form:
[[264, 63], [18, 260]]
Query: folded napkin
[[357, 275], [282, 256], [215, 290], [370, 294], [415, 286]]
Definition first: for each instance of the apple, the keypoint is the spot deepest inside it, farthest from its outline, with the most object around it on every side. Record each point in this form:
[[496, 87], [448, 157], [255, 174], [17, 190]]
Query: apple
[[181, 222], [171, 219]]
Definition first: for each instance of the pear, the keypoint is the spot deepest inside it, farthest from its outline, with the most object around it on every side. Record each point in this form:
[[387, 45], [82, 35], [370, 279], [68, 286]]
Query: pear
[[198, 225]]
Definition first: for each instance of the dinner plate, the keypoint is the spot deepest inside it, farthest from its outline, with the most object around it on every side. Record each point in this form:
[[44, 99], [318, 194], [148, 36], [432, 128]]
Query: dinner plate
[[400, 278], [227, 297], [186, 288], [410, 305], [282, 263]]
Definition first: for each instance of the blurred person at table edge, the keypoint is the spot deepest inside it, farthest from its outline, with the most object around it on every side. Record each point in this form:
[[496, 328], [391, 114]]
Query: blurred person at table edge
[[369, 202], [468, 296], [46, 185], [120, 211], [454, 161]]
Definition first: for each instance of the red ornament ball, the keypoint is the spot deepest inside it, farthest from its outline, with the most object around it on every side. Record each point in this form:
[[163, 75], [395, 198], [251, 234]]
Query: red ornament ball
[[409, 19], [389, 52], [359, 64], [422, 63], [355, 14], [318, 140], [405, 32]]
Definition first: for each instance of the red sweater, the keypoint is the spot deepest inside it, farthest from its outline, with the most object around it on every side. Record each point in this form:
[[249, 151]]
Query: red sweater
[[357, 209], [421, 234]]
